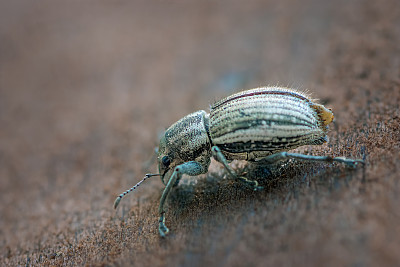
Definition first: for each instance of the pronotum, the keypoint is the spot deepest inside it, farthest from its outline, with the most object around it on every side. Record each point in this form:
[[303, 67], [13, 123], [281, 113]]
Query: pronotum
[[258, 125]]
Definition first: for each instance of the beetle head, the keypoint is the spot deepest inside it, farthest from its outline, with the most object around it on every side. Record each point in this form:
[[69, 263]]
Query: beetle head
[[166, 159], [186, 140]]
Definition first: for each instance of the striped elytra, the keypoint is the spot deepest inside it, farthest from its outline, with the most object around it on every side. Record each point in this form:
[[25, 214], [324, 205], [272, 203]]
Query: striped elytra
[[269, 119]]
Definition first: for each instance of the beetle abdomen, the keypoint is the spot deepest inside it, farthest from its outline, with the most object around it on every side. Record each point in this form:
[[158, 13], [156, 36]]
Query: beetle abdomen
[[269, 119]]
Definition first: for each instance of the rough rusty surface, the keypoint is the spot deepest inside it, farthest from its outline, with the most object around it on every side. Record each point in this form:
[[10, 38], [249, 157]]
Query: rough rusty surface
[[87, 87]]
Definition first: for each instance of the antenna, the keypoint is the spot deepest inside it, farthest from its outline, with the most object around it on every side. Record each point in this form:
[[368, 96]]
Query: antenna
[[118, 199]]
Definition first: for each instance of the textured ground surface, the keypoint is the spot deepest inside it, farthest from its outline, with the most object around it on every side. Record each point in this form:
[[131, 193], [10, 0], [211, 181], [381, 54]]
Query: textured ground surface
[[86, 89]]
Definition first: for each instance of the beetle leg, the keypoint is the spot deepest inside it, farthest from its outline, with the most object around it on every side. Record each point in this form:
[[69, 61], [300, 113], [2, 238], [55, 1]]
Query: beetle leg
[[217, 154], [285, 155], [191, 168]]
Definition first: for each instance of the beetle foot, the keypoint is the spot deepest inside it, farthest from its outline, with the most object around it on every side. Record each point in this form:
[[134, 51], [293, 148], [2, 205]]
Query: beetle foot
[[162, 229], [352, 163], [252, 183]]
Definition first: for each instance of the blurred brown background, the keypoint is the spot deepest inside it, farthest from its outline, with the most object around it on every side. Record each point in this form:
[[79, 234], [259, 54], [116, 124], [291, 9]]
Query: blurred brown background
[[86, 88]]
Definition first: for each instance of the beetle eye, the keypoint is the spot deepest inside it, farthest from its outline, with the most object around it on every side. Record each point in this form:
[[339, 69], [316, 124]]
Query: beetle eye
[[166, 161]]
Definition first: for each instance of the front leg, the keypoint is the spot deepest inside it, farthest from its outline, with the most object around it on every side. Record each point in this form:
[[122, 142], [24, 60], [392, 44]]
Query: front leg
[[217, 154], [191, 168]]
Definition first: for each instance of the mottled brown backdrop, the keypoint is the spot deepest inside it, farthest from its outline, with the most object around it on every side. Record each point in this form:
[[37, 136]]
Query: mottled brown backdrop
[[87, 87]]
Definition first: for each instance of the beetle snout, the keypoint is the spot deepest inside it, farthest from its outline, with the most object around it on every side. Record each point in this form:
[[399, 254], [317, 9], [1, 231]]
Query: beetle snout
[[163, 172]]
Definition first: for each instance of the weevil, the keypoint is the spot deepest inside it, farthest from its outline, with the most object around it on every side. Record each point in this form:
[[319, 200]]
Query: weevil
[[256, 125]]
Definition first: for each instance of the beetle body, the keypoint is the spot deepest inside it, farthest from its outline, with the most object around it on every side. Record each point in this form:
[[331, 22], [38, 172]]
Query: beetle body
[[254, 125], [248, 125]]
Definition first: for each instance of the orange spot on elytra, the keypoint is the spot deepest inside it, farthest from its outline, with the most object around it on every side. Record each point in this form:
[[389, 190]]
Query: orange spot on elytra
[[326, 115]]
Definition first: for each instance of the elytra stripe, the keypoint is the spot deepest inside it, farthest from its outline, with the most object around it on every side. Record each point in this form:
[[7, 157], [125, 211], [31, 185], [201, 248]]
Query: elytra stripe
[[237, 147], [255, 124], [218, 104]]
